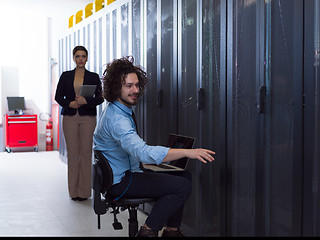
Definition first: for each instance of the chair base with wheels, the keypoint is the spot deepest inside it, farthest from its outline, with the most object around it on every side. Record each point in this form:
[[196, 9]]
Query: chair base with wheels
[[102, 179]]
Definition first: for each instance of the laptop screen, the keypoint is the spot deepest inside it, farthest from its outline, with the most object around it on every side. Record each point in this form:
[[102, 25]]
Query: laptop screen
[[179, 141]]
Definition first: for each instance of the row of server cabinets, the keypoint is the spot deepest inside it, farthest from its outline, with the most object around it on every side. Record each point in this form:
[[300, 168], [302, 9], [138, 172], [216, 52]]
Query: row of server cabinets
[[240, 76]]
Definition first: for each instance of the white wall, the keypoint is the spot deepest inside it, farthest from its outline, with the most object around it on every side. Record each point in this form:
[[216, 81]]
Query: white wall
[[30, 30]]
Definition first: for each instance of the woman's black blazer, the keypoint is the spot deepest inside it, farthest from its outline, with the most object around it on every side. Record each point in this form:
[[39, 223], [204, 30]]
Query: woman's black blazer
[[65, 93]]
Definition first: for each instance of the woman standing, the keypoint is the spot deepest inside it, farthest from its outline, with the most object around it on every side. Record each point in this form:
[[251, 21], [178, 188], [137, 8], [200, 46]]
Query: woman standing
[[79, 121]]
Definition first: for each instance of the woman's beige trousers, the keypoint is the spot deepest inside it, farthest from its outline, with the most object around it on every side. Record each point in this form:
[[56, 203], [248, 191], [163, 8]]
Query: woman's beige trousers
[[78, 133]]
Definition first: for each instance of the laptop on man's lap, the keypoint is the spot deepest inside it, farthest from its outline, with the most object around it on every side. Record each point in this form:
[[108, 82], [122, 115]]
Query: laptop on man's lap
[[174, 141]]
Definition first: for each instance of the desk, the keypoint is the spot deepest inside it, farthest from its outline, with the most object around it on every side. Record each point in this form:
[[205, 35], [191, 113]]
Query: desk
[[21, 131]]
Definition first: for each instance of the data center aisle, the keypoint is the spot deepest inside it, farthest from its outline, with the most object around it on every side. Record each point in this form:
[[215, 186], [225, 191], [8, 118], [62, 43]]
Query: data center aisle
[[34, 200]]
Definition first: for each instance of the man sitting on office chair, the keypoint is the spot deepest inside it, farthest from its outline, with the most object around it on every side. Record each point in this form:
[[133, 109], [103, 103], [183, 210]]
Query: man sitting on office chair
[[116, 136]]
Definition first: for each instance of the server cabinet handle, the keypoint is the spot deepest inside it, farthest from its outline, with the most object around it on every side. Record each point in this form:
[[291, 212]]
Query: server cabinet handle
[[159, 99], [262, 99], [200, 103]]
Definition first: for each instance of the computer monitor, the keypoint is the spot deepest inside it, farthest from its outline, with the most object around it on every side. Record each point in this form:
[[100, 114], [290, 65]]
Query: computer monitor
[[16, 104]]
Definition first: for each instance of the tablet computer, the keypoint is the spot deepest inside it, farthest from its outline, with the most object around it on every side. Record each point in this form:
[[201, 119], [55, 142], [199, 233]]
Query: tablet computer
[[87, 90]]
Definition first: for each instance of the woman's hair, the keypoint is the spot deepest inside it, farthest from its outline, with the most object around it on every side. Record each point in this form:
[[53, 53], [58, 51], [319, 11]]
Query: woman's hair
[[116, 73], [81, 48]]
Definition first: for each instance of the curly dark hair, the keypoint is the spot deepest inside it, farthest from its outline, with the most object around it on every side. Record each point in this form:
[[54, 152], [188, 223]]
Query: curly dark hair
[[115, 74]]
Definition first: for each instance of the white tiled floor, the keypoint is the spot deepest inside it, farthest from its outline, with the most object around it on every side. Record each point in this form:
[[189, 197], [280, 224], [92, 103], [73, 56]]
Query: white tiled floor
[[34, 200]]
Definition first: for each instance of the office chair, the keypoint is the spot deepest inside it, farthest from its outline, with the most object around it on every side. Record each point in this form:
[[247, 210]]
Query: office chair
[[102, 180]]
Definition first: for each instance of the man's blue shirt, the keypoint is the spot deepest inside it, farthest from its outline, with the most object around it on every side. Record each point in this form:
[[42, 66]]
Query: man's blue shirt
[[115, 135]]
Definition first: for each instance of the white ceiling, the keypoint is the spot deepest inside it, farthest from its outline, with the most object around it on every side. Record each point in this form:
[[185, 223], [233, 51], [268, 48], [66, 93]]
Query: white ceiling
[[50, 8], [58, 10]]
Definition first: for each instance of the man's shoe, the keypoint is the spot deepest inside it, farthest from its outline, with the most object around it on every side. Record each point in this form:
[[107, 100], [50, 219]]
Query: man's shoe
[[143, 232], [172, 233]]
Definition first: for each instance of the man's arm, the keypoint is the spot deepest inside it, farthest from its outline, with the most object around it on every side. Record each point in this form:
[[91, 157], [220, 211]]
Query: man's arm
[[203, 155]]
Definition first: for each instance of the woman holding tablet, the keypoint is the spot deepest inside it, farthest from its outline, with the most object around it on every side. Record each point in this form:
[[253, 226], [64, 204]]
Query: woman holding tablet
[[78, 122]]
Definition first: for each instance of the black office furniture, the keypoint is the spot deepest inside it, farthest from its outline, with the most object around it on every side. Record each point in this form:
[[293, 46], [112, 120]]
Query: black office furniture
[[102, 177]]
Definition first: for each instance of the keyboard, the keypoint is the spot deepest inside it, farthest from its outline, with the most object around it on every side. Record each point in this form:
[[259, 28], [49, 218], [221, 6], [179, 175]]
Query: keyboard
[[162, 167], [165, 166]]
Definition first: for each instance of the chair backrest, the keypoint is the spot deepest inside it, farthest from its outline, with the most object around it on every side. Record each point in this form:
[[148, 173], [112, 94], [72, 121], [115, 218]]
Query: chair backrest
[[106, 171]]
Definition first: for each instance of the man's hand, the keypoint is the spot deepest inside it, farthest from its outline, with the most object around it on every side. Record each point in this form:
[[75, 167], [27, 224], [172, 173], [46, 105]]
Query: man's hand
[[203, 155]]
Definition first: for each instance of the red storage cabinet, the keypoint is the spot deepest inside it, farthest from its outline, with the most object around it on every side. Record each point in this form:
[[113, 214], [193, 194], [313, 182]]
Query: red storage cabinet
[[21, 131]]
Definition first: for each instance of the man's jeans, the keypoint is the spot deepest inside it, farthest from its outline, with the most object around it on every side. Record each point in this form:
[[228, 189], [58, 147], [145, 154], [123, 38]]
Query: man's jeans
[[171, 189]]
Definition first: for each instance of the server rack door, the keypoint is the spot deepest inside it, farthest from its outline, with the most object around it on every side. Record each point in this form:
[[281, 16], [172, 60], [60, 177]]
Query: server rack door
[[264, 171], [125, 29], [136, 45], [167, 71], [115, 44], [242, 116], [151, 123], [62, 68], [88, 45], [188, 83], [161, 93], [100, 53], [311, 194], [212, 109], [108, 52], [283, 163], [95, 47]]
